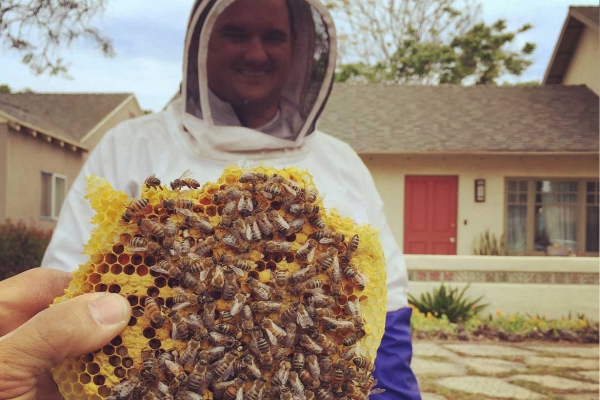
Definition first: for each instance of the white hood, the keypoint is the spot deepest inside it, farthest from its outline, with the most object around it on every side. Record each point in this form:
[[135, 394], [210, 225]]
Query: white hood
[[211, 125]]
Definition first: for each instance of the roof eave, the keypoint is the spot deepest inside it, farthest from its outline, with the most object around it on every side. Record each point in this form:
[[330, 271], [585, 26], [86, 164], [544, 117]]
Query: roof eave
[[115, 110], [583, 18], [42, 131]]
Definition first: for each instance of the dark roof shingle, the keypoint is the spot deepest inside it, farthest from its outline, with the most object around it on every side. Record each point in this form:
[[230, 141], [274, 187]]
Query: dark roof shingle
[[453, 119], [68, 115]]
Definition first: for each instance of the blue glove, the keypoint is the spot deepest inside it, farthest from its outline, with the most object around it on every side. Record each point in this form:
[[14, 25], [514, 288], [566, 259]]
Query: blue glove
[[392, 365]]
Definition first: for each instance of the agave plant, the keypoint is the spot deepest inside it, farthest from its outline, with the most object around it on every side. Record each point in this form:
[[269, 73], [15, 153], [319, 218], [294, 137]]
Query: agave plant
[[449, 302]]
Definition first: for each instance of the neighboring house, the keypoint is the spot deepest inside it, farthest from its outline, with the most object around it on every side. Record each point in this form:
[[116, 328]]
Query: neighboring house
[[576, 58], [533, 151], [44, 141]]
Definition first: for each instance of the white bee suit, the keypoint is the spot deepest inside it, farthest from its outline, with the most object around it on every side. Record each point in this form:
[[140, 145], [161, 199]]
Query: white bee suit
[[200, 132]]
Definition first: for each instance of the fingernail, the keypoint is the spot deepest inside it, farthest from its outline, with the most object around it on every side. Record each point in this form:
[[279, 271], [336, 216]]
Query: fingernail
[[110, 309]]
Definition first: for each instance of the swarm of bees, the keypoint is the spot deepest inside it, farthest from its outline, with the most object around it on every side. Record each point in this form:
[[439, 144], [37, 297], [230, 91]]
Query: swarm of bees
[[265, 297]]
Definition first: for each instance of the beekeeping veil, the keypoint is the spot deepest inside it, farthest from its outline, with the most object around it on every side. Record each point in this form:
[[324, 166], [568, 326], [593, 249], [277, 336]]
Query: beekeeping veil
[[213, 122]]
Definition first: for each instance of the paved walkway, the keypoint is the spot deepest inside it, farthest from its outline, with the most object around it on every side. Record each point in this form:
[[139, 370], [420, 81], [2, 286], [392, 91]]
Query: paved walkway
[[473, 371]]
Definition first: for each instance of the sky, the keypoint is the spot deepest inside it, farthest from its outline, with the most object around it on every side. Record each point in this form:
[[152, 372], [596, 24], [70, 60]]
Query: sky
[[148, 41]]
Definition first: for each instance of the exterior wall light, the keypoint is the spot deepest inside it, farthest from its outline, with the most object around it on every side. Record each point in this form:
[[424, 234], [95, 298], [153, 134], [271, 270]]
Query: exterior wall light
[[479, 190]]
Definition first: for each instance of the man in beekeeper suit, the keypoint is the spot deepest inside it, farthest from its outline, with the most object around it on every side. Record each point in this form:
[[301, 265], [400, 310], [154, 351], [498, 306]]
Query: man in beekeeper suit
[[256, 76]]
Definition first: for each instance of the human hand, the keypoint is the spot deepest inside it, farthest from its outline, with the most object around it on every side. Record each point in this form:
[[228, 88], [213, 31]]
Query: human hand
[[35, 337]]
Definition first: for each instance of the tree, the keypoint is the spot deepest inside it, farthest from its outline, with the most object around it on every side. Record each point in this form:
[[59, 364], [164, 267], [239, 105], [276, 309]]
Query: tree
[[5, 89], [39, 29]]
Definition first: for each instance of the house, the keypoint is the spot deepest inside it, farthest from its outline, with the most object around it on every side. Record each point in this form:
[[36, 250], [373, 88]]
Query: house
[[44, 141], [576, 57], [451, 162]]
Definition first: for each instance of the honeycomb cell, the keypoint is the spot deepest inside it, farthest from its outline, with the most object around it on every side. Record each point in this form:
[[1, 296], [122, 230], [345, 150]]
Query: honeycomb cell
[[104, 391], [133, 300], [137, 311], [289, 257], [149, 333], [99, 380], [123, 259], [160, 282], [154, 344], [290, 238], [116, 269], [132, 372], [87, 287], [260, 266], [277, 257], [206, 200], [149, 261], [108, 350], [93, 368], [129, 269], [275, 205], [115, 360], [85, 378], [142, 270], [114, 288], [117, 341], [94, 279], [127, 362], [118, 248], [337, 310], [136, 259], [272, 265], [122, 351], [173, 283], [348, 289], [342, 300], [132, 321], [103, 268], [110, 258], [72, 377], [87, 358], [120, 372], [254, 274], [101, 287], [78, 388]]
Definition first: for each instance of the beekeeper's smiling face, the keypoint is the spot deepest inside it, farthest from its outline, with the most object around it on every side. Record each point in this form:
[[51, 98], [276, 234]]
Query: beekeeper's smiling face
[[250, 53]]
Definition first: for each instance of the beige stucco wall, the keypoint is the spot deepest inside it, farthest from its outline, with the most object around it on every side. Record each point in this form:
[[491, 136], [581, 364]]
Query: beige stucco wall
[[130, 107], [3, 167], [27, 157], [584, 67], [472, 218]]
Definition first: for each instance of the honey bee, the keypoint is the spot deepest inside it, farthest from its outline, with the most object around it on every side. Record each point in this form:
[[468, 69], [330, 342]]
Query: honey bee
[[320, 300], [229, 193], [229, 329], [247, 319], [285, 393], [290, 339], [189, 280], [329, 347], [279, 278], [259, 288], [353, 308], [266, 307], [244, 265], [327, 259], [295, 226], [152, 311], [303, 319], [203, 247], [265, 226], [307, 250], [217, 282], [281, 376], [167, 268], [252, 229], [290, 314], [279, 222], [359, 277], [327, 236], [338, 377], [312, 194], [236, 243], [253, 177], [152, 181], [256, 391], [363, 363], [269, 190], [172, 204], [231, 287], [183, 180], [179, 326], [326, 366], [183, 299], [316, 221], [277, 247], [198, 380], [298, 360], [126, 388], [150, 228], [196, 327], [324, 394], [266, 359], [310, 345], [310, 286], [251, 368], [236, 389], [135, 208], [227, 214], [304, 209], [302, 275], [350, 341], [322, 313], [149, 362], [221, 339], [224, 368], [208, 313], [211, 354], [274, 332], [336, 280], [312, 364], [238, 302], [307, 380], [142, 244], [245, 204], [352, 246], [335, 324], [176, 370], [296, 384], [194, 220], [188, 357], [292, 187]]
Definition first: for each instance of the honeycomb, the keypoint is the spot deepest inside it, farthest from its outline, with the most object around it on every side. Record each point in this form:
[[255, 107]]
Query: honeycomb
[[223, 306]]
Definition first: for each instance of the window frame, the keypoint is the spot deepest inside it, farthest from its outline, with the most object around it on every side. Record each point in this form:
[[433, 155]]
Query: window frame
[[53, 177], [530, 222]]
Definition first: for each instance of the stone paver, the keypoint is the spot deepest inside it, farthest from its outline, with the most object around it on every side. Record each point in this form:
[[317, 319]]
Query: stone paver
[[585, 352], [421, 366], [425, 349], [488, 350], [591, 375], [563, 362], [490, 387], [432, 396], [555, 382], [491, 365]]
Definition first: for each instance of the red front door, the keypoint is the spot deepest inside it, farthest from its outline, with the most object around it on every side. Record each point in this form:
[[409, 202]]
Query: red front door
[[430, 214]]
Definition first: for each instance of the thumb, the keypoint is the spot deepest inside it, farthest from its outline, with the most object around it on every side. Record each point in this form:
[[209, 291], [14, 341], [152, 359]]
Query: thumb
[[69, 329]]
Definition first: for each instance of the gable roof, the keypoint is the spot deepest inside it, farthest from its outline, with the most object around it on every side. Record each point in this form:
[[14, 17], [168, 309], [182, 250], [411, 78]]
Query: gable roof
[[398, 119], [69, 116], [577, 20]]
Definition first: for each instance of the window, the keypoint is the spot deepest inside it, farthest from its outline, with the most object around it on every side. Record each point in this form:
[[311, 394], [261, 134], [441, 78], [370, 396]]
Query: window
[[54, 191], [552, 212]]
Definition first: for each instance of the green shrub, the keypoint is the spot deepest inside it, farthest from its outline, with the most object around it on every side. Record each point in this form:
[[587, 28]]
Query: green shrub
[[449, 302], [488, 245], [21, 247]]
